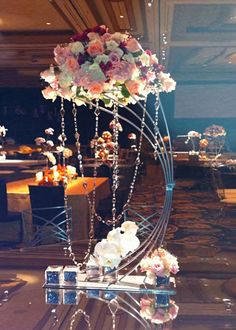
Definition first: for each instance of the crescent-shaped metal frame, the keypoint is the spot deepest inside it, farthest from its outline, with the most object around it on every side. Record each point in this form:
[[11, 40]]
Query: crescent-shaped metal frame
[[153, 135]]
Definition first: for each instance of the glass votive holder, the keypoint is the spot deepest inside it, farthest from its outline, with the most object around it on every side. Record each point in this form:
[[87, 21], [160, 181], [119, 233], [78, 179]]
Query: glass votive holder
[[93, 293], [70, 297], [53, 296], [109, 295], [93, 273], [70, 275], [53, 275]]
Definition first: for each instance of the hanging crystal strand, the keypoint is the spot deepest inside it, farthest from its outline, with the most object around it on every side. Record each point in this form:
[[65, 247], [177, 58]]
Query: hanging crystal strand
[[86, 318], [68, 226], [115, 163], [77, 143], [91, 207], [113, 307], [93, 202], [156, 123], [137, 163]]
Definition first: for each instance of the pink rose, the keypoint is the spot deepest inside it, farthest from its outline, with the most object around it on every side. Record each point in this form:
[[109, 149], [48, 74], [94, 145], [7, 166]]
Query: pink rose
[[95, 48], [96, 88], [122, 71], [61, 54], [72, 64], [150, 75], [133, 87], [106, 37], [174, 269], [133, 45]]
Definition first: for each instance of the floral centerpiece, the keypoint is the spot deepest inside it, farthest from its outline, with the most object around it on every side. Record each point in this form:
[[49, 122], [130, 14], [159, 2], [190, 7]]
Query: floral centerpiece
[[159, 264], [109, 252], [107, 66], [157, 314], [215, 131], [58, 174], [215, 135], [193, 137]]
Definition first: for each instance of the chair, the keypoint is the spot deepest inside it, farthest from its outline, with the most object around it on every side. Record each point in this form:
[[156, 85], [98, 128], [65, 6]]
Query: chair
[[226, 190], [48, 215], [146, 224], [7, 217]]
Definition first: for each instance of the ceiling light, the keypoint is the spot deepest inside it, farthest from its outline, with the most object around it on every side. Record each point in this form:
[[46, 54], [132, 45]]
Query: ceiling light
[[48, 23], [121, 16]]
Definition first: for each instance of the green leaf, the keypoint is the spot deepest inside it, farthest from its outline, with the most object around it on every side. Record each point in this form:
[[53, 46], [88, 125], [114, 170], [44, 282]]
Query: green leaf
[[106, 101], [136, 54], [125, 91]]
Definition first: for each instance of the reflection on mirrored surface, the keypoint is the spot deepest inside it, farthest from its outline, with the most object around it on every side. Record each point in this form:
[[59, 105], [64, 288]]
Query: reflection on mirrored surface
[[140, 309]]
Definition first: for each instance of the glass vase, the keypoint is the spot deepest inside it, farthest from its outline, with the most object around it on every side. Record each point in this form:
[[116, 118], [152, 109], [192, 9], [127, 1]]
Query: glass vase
[[162, 281], [110, 275], [162, 299]]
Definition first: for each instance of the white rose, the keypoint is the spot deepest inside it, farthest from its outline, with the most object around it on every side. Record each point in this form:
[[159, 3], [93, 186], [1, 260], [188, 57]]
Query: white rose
[[111, 45]]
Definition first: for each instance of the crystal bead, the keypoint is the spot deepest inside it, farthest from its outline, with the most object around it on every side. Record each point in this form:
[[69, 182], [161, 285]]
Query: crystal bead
[[137, 161]]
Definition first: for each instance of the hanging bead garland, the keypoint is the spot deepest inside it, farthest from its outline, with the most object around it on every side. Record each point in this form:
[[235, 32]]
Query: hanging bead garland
[[156, 122]]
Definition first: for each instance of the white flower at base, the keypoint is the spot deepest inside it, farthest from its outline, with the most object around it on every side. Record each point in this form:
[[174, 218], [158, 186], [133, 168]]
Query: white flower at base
[[106, 254], [129, 227], [110, 251]]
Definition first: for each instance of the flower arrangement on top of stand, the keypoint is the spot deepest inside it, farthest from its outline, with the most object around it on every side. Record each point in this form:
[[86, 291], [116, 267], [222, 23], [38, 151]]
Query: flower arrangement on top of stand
[[109, 252], [110, 67], [151, 311], [3, 132]]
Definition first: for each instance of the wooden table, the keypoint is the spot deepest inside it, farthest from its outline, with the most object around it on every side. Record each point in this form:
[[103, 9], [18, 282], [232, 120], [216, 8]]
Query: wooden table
[[18, 200]]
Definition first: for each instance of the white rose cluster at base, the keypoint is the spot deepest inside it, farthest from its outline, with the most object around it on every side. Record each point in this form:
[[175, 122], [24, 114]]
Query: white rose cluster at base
[[119, 242]]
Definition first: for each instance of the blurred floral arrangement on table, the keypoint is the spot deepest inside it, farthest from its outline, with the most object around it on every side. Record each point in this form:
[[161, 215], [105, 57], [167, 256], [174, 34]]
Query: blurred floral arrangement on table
[[58, 173], [111, 67], [3, 132], [215, 135], [160, 263], [215, 131], [119, 242], [149, 310], [193, 137]]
